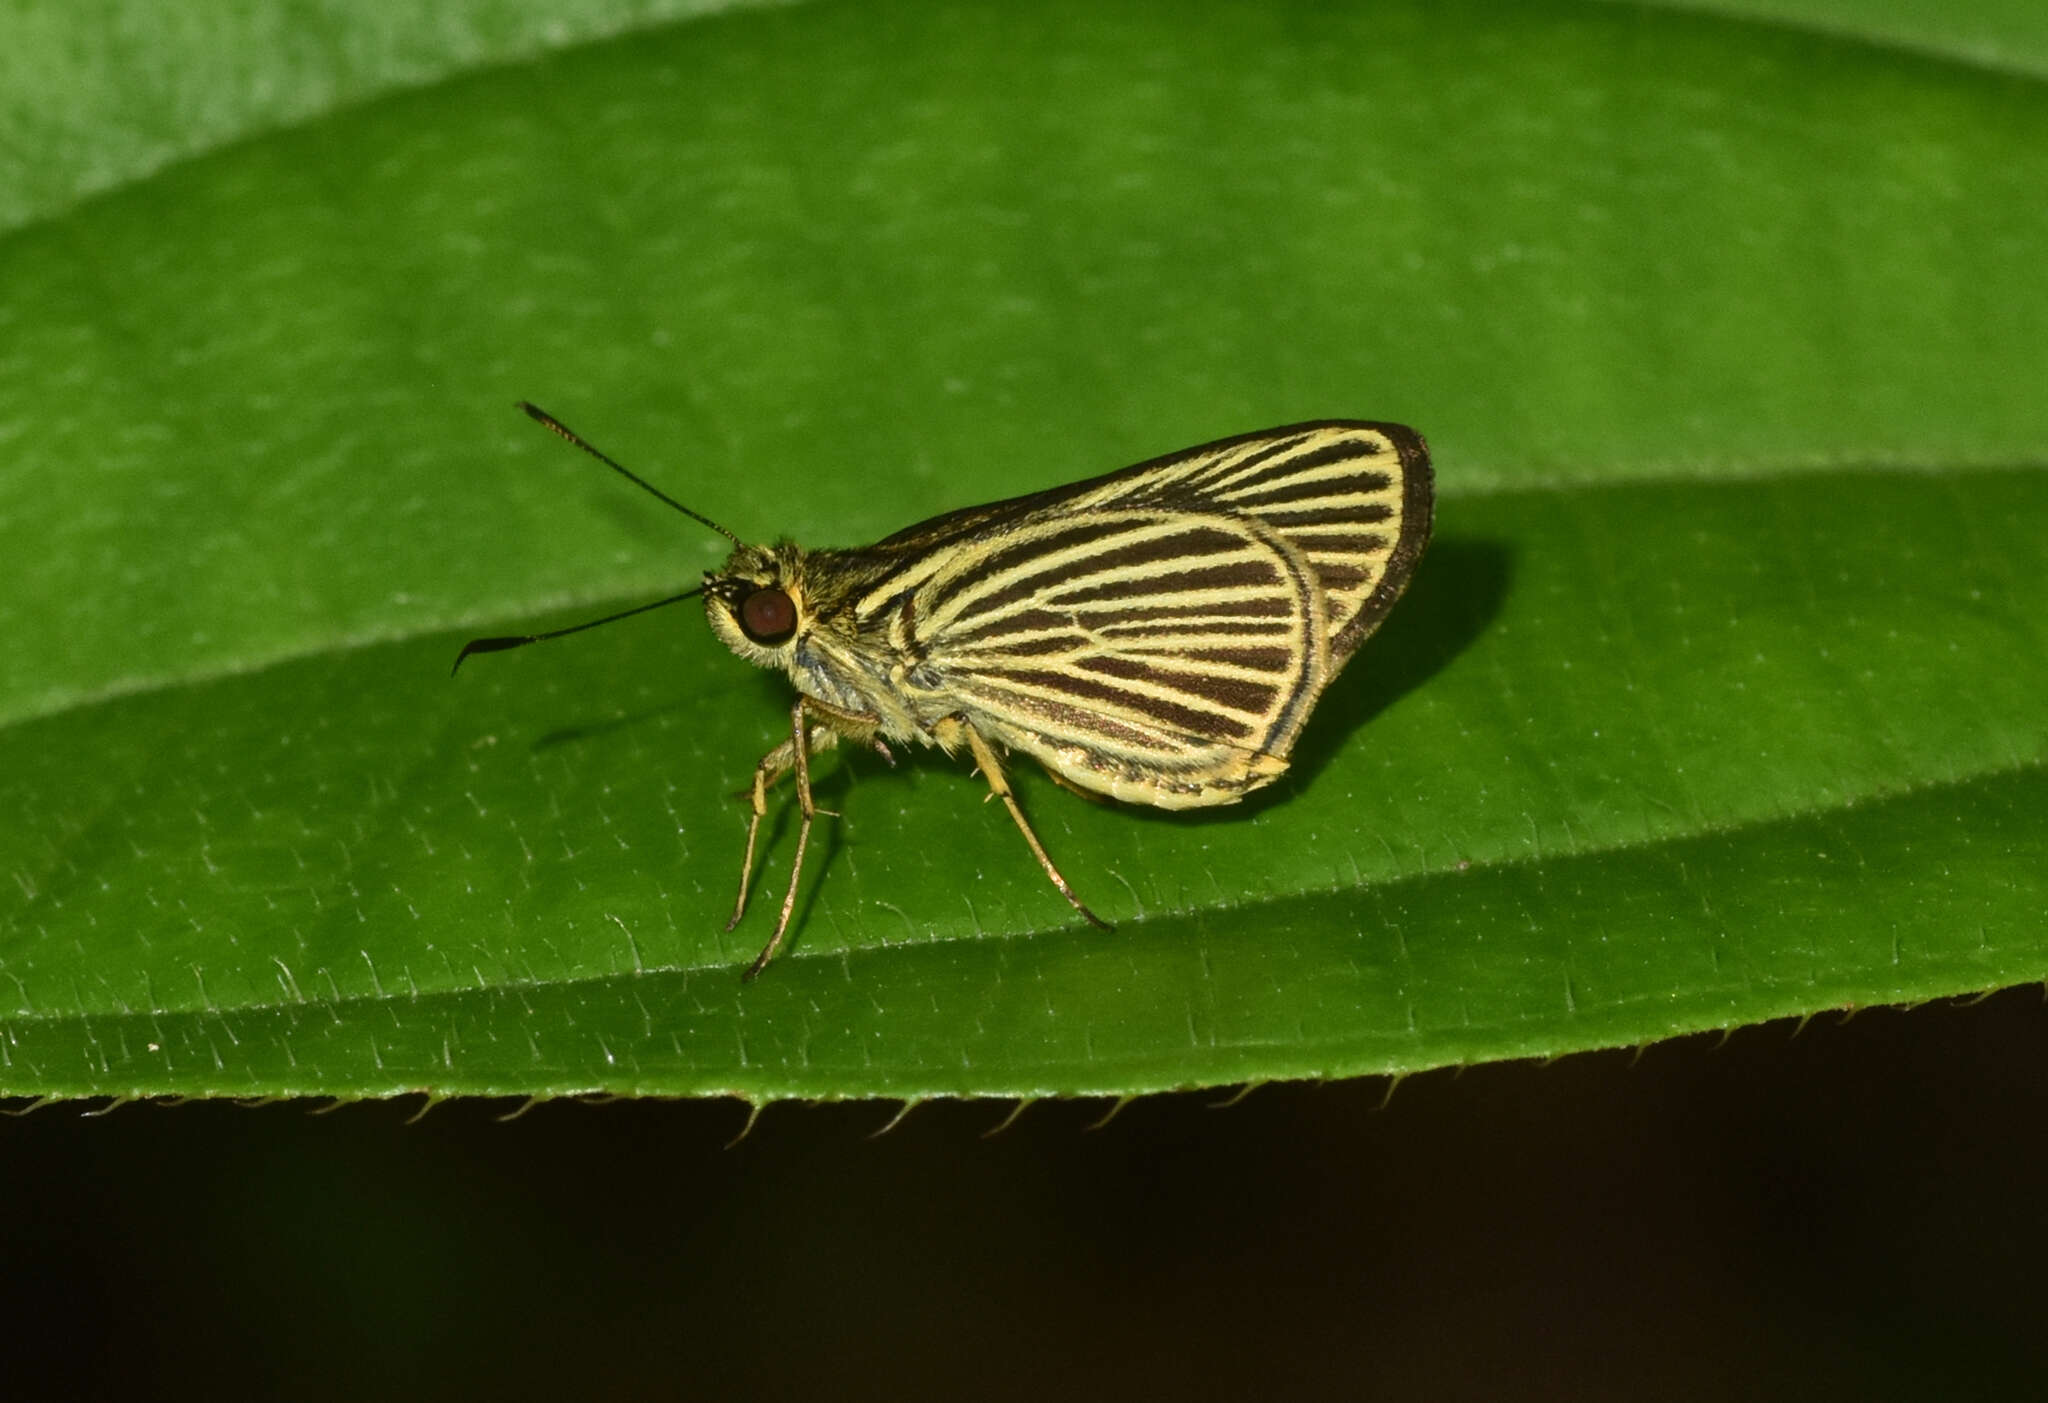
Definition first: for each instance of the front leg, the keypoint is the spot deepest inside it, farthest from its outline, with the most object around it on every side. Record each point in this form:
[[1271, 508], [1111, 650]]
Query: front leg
[[795, 753], [774, 765]]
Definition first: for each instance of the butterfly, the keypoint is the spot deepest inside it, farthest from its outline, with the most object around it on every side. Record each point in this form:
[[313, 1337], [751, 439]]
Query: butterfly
[[1158, 635]]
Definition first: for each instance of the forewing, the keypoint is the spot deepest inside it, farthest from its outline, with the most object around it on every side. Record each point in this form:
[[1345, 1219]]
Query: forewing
[[1355, 497]]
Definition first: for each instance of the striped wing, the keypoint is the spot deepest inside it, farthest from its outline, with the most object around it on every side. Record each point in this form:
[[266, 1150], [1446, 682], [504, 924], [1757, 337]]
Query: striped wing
[[1161, 634], [1355, 497], [1161, 657]]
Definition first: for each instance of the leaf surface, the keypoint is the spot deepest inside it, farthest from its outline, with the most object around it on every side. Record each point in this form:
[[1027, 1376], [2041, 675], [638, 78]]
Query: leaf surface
[[1717, 699]]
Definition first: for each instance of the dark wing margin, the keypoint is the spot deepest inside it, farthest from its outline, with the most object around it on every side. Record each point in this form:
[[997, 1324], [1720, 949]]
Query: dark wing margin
[[1417, 521]]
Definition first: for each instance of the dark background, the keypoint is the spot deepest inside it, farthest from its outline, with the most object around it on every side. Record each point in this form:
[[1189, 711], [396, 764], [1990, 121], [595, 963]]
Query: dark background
[[1853, 1209]]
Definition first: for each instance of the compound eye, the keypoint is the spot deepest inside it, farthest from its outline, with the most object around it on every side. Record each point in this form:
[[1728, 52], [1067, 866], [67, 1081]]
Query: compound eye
[[768, 616]]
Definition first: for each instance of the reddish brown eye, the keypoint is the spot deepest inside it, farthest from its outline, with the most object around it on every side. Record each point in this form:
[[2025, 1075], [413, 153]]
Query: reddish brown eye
[[768, 616]]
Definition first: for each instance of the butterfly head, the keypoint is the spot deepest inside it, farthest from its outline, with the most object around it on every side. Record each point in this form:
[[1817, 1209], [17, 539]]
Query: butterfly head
[[755, 602]]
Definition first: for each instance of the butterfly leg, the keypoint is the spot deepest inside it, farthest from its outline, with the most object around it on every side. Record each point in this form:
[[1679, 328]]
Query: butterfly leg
[[774, 765], [991, 768], [795, 753]]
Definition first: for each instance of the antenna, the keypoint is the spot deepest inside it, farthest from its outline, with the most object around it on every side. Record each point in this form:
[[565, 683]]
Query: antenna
[[549, 421], [499, 645]]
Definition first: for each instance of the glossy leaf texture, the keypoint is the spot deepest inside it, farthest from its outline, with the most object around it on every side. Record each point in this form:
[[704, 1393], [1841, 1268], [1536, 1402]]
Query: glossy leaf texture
[[1718, 698]]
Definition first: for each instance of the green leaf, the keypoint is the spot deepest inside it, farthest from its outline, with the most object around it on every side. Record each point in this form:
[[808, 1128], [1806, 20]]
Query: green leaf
[[1717, 699]]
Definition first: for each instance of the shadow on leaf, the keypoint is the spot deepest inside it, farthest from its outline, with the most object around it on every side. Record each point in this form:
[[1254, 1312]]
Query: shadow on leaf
[[1457, 592]]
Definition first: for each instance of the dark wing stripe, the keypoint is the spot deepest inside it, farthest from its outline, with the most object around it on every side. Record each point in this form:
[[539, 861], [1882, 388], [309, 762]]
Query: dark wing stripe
[[1022, 621], [1177, 645], [1183, 650], [1341, 450], [1186, 546], [1252, 697], [1338, 455], [1255, 573], [1121, 699], [1190, 648], [1263, 659], [1196, 611], [1133, 738], [1356, 493], [1235, 618], [1034, 550], [1221, 476], [1191, 632], [1306, 525], [1035, 644], [1346, 539], [1006, 574], [977, 599], [1132, 546], [1221, 469], [1341, 577]]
